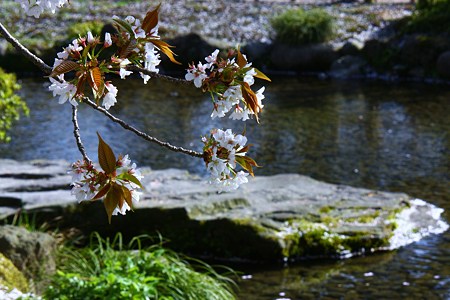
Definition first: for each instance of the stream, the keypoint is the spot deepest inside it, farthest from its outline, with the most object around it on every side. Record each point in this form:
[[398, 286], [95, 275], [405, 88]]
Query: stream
[[392, 137]]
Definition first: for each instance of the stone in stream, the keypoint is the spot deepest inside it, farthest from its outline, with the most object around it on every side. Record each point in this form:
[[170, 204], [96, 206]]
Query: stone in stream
[[285, 216]]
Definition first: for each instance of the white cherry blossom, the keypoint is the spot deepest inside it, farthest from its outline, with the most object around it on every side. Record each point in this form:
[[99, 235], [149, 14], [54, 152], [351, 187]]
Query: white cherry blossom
[[240, 113], [65, 90], [211, 59], [123, 72], [197, 74], [110, 97], [36, 7], [249, 76], [151, 60]]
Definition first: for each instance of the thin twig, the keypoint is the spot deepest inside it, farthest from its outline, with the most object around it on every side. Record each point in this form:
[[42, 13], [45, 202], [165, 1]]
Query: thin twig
[[157, 75], [24, 51], [76, 134], [140, 133]]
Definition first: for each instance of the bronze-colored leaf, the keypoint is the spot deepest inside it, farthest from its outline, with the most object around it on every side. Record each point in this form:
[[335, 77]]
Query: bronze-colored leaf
[[64, 67], [165, 48], [127, 48], [250, 99], [118, 191], [102, 192], [151, 20], [80, 85], [95, 79], [127, 196], [246, 166], [110, 202], [261, 75], [251, 161], [241, 61], [106, 157]]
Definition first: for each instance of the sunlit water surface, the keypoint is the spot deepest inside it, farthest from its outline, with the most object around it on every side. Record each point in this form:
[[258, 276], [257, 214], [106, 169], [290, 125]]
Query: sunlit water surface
[[383, 136]]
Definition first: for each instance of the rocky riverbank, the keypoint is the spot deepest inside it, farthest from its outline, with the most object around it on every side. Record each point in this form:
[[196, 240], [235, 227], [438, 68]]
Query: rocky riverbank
[[286, 216], [368, 40]]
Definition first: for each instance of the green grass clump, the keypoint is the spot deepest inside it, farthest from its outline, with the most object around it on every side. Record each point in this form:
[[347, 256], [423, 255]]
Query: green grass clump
[[11, 105], [432, 17], [106, 270], [299, 27]]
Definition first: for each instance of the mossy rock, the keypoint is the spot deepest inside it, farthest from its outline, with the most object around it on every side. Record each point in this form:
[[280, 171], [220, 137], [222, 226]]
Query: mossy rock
[[10, 276]]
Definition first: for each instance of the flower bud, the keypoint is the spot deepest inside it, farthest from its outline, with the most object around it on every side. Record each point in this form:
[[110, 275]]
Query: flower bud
[[90, 38], [108, 41]]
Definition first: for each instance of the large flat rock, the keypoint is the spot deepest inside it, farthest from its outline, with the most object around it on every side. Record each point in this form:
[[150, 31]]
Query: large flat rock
[[270, 218]]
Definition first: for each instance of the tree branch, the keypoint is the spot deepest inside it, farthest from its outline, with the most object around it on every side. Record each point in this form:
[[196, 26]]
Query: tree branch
[[140, 133], [48, 70], [24, 51], [157, 75], [76, 134]]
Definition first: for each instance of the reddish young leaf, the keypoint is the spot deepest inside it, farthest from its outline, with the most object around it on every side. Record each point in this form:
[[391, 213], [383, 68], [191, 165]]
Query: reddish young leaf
[[95, 79], [117, 190], [102, 192], [245, 165], [110, 202], [261, 75], [165, 48], [242, 62], [250, 99], [127, 48], [151, 20], [80, 85], [64, 67], [127, 196], [106, 157], [251, 161]]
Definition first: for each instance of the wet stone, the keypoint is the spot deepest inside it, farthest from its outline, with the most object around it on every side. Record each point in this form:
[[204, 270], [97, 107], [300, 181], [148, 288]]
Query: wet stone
[[271, 218]]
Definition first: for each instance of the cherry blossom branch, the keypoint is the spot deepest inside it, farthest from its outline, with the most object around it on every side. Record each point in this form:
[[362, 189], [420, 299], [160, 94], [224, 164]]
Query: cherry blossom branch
[[24, 51], [140, 133], [48, 70], [76, 133]]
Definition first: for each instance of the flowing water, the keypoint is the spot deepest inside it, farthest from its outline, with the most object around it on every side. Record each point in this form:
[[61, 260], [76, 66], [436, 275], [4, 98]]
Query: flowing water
[[392, 137]]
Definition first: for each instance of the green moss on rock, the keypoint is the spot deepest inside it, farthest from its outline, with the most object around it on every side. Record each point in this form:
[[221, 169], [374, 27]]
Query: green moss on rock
[[10, 276]]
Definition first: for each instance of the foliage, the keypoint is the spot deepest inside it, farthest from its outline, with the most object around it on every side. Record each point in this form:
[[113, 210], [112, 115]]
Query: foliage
[[429, 4], [107, 270], [432, 16], [10, 104], [297, 26]]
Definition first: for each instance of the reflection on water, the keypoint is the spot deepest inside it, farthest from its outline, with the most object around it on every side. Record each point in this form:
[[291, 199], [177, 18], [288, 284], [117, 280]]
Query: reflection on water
[[388, 137]]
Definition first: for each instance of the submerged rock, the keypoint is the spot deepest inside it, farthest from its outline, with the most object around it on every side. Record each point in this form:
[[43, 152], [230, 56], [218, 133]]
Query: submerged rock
[[286, 216]]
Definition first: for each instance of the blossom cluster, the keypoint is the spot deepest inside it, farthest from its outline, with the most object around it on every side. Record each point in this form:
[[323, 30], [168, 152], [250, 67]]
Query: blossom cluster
[[144, 53], [135, 43], [88, 183], [229, 81], [37, 7], [223, 151]]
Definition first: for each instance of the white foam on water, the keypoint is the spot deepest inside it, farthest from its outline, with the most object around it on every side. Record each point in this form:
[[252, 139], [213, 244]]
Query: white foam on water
[[416, 222]]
